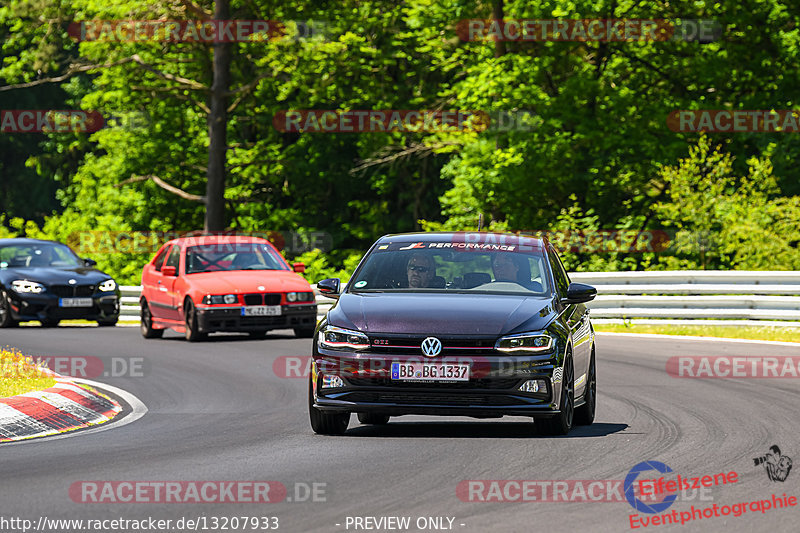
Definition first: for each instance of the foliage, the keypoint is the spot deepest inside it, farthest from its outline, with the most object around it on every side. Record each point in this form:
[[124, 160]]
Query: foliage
[[595, 155]]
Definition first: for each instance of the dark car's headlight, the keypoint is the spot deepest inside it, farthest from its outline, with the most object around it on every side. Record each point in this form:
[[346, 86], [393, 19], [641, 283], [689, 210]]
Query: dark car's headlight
[[107, 286], [25, 286], [209, 299], [334, 338], [525, 343]]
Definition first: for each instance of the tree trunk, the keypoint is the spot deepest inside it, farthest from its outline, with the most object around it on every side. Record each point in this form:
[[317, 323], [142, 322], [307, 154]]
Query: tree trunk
[[218, 128]]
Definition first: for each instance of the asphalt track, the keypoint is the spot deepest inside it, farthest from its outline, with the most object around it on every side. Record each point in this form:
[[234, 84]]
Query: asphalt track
[[217, 411]]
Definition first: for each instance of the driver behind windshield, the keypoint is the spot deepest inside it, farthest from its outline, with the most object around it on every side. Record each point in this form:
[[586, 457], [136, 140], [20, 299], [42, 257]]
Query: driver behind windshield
[[505, 268], [421, 270]]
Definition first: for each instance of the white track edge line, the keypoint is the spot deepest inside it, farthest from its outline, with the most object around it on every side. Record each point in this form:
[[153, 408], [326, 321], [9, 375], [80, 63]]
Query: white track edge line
[[697, 338]]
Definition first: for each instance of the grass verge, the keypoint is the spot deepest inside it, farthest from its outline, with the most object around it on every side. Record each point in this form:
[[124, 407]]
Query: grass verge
[[20, 374], [762, 333]]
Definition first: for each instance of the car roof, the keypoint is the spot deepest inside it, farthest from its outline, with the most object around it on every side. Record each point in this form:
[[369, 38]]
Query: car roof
[[462, 236], [217, 239]]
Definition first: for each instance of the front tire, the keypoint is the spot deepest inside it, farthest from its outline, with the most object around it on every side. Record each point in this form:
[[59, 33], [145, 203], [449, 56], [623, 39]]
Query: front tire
[[107, 323], [190, 316], [50, 322], [562, 422], [5, 312], [146, 326], [584, 415], [324, 423]]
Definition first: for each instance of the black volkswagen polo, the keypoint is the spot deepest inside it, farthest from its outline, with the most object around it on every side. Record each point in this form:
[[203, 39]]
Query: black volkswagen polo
[[474, 324], [46, 281]]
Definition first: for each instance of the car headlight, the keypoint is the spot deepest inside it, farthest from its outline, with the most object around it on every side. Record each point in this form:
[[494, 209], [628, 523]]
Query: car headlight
[[107, 285], [334, 338], [526, 343], [209, 299], [299, 296], [25, 286]]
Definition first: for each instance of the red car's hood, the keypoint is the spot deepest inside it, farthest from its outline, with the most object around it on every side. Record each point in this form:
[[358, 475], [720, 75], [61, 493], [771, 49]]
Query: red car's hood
[[246, 281]]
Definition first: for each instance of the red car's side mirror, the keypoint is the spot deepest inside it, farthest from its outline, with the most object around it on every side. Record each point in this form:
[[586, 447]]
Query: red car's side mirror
[[299, 267], [169, 271]]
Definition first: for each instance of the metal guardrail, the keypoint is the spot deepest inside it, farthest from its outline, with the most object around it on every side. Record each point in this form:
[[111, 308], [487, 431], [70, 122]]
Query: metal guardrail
[[730, 297]]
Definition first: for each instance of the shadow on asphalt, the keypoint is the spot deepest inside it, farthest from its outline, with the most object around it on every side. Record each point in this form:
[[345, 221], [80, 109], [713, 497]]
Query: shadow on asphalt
[[477, 430], [232, 337]]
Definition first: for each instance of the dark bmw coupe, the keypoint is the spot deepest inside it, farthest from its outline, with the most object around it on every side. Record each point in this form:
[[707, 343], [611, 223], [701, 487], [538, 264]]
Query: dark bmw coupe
[[475, 324], [46, 281]]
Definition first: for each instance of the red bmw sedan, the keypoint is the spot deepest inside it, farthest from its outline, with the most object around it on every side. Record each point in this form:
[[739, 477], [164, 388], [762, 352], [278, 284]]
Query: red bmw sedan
[[199, 285]]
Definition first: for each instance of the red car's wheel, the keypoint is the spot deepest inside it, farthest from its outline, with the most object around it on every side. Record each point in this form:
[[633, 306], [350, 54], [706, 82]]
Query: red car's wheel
[[190, 316], [146, 327]]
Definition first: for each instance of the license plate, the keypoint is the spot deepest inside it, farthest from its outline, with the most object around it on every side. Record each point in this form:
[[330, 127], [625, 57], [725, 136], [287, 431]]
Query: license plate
[[261, 310], [429, 372], [75, 302]]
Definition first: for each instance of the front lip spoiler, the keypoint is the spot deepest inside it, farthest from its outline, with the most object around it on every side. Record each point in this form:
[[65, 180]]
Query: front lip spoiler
[[425, 409]]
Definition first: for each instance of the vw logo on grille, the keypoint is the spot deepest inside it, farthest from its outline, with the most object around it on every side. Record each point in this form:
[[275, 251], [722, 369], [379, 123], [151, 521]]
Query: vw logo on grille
[[431, 347], [72, 282]]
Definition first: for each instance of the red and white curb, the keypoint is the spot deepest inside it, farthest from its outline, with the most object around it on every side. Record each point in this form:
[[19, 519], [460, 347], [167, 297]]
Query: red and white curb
[[59, 409]]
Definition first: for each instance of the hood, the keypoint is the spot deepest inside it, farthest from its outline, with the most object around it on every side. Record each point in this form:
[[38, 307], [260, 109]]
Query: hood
[[246, 281], [55, 275], [441, 314]]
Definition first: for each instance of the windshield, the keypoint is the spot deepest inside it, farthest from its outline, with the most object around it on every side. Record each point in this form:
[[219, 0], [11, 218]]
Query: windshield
[[436, 266], [45, 254], [237, 256]]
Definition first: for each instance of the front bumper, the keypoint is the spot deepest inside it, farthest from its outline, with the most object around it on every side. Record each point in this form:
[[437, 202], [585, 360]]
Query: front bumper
[[44, 306], [230, 318], [493, 389]]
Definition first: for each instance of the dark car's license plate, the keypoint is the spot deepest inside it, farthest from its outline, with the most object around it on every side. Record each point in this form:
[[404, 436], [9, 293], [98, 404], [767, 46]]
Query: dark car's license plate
[[428, 372]]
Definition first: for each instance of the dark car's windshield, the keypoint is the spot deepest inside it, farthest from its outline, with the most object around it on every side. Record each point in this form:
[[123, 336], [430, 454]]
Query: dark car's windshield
[[38, 255], [232, 256], [438, 266]]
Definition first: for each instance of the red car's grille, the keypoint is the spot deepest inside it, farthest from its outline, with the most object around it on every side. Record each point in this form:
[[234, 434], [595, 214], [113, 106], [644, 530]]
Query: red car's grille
[[262, 299]]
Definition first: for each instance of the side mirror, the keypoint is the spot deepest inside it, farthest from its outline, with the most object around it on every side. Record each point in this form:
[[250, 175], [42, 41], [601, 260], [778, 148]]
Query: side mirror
[[329, 287], [89, 262], [299, 267], [578, 293], [169, 271]]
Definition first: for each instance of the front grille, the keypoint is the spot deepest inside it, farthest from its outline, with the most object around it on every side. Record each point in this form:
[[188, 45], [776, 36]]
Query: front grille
[[460, 400], [253, 299], [450, 346], [262, 299], [84, 290], [492, 384], [62, 291], [71, 291]]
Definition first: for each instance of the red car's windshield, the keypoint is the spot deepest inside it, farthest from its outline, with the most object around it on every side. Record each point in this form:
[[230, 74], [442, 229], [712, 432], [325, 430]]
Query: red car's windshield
[[237, 256]]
